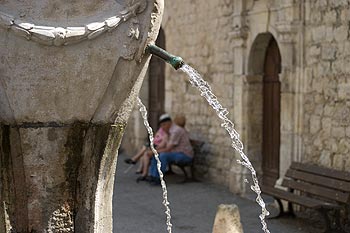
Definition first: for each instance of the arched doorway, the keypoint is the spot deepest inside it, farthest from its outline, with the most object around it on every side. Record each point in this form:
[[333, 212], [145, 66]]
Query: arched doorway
[[263, 104], [271, 114], [156, 84]]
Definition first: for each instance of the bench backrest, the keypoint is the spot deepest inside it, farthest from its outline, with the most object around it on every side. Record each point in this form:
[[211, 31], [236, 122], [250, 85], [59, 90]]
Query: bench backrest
[[323, 182]]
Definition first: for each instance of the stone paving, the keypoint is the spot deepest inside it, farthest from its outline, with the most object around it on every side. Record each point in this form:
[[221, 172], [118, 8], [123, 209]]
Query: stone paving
[[137, 207]]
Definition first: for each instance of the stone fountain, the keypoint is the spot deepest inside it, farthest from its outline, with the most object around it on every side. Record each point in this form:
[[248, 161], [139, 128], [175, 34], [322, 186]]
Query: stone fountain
[[69, 75]]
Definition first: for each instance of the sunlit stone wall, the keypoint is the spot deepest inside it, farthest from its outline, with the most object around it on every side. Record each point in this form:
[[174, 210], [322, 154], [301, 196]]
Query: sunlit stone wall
[[327, 85], [200, 33], [217, 38]]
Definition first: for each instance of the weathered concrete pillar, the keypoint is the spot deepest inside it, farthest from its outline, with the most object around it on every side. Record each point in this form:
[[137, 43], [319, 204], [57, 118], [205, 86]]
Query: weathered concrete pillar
[[69, 75], [227, 219]]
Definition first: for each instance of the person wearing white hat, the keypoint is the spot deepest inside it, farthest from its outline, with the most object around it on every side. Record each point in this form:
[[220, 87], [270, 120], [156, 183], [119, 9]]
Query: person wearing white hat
[[178, 148], [160, 141]]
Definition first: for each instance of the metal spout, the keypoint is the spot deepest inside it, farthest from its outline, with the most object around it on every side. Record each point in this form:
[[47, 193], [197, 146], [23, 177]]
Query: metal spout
[[175, 61]]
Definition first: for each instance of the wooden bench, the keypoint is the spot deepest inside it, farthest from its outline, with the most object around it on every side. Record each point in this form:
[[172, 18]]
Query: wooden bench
[[196, 149], [323, 189]]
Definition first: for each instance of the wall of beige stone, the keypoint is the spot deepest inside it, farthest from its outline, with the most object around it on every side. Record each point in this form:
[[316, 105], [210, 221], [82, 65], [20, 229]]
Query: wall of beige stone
[[327, 92], [199, 32], [221, 39], [282, 21]]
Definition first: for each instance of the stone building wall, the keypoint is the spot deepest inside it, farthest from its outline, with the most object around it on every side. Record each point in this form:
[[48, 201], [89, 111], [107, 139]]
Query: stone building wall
[[226, 41], [199, 32], [327, 92]]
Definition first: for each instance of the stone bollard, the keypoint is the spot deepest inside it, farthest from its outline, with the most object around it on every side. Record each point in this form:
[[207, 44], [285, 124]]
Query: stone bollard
[[70, 72], [227, 220]]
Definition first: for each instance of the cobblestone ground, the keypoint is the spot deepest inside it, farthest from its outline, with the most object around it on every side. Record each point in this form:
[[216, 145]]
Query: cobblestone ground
[[137, 207]]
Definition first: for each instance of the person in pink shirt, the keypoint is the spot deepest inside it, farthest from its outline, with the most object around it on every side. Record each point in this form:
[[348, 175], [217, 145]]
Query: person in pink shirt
[[160, 141], [178, 148]]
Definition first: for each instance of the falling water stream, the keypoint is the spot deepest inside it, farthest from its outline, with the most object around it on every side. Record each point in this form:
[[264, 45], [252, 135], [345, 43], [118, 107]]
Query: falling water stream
[[197, 81], [143, 112]]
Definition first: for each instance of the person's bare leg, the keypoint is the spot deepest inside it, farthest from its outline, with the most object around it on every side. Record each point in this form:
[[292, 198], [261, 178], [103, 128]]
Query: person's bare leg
[[145, 163], [141, 165], [136, 157], [139, 154], [145, 160]]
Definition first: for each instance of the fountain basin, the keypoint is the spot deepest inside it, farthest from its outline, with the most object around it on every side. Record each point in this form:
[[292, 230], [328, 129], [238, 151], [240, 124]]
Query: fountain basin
[[70, 73]]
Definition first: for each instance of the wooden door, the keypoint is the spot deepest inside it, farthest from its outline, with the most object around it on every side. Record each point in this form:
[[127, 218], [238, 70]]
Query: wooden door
[[156, 85], [271, 114]]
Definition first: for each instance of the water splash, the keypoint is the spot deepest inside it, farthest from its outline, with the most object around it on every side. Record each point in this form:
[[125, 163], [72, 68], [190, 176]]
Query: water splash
[[197, 81], [143, 112]]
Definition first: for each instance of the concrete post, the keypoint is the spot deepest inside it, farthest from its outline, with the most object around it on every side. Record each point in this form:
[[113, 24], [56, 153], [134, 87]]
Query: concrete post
[[227, 220], [69, 76]]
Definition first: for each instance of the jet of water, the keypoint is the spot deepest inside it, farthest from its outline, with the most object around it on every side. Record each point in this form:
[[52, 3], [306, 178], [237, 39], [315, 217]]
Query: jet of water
[[197, 81], [143, 112]]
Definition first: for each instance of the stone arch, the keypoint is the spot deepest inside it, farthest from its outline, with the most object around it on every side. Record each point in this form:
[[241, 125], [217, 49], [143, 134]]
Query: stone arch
[[257, 53], [255, 104]]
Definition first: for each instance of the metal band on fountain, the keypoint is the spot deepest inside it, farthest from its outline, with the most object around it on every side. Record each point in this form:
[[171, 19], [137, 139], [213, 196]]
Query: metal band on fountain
[[175, 61]]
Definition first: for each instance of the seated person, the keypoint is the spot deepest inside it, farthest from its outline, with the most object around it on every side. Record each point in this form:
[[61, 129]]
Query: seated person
[[178, 149], [159, 141], [180, 120]]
